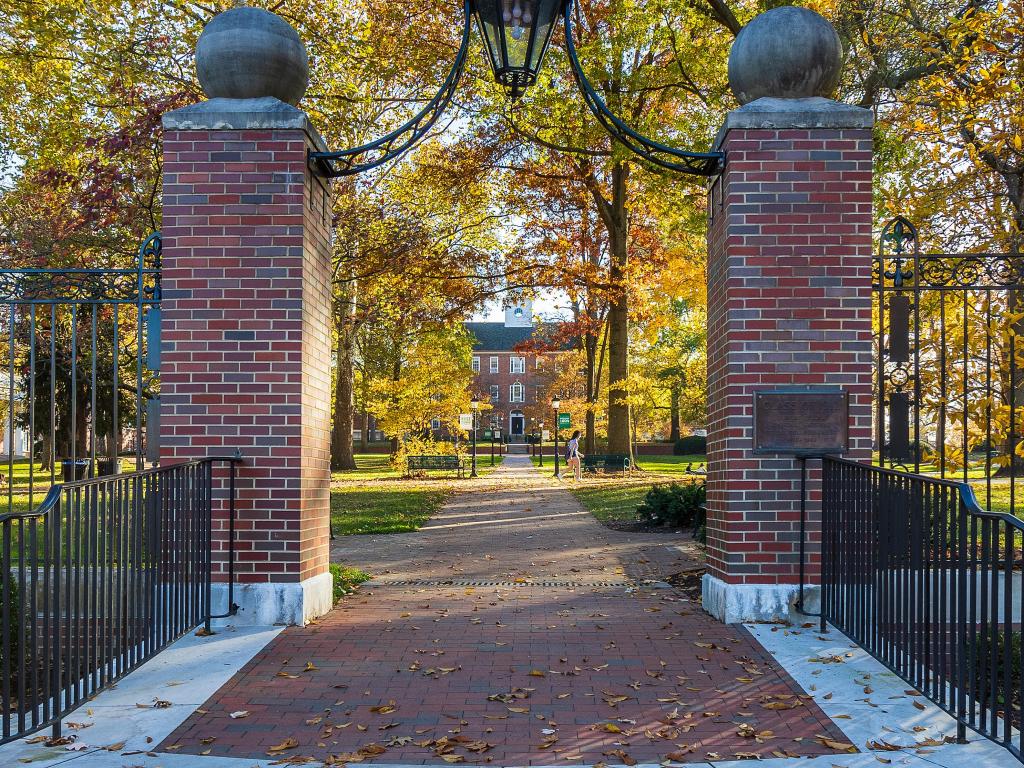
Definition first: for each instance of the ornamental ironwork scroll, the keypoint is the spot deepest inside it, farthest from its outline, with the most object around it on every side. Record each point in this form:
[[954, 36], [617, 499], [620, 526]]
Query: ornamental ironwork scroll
[[349, 162], [656, 153], [140, 284]]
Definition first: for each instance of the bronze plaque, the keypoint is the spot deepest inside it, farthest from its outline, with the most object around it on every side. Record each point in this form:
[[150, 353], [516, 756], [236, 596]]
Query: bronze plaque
[[808, 420]]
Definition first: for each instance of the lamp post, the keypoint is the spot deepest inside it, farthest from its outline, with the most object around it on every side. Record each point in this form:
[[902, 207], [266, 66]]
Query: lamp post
[[540, 444], [474, 404], [555, 402]]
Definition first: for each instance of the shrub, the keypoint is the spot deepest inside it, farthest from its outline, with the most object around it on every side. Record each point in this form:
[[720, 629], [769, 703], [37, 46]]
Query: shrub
[[678, 504], [689, 445], [700, 527]]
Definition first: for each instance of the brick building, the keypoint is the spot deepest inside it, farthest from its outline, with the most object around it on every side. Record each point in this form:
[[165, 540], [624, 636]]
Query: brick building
[[506, 379]]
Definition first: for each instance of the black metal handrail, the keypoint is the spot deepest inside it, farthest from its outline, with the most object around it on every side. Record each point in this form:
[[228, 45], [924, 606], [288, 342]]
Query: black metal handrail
[[929, 583], [100, 577]]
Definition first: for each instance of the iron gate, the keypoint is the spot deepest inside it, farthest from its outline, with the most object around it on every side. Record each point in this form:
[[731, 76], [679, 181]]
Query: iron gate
[[949, 384], [104, 559], [79, 355]]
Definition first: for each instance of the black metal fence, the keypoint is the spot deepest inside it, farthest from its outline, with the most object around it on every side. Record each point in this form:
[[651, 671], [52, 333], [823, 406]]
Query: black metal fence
[[98, 579], [927, 582]]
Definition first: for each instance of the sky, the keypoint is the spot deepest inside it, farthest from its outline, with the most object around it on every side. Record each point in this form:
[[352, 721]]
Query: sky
[[546, 306]]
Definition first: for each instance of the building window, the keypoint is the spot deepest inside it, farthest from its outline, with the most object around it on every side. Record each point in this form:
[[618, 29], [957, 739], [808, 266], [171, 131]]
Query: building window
[[517, 365], [495, 393], [494, 365], [476, 365], [516, 393], [435, 424]]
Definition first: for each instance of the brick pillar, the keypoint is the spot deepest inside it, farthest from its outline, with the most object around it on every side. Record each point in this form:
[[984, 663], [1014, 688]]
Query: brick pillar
[[789, 304], [246, 340]]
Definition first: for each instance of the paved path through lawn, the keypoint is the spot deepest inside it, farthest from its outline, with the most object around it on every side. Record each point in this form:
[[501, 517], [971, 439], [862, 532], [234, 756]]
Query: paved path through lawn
[[513, 629]]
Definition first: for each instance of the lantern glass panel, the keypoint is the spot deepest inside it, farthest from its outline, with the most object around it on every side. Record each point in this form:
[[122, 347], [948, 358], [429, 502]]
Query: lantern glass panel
[[516, 34]]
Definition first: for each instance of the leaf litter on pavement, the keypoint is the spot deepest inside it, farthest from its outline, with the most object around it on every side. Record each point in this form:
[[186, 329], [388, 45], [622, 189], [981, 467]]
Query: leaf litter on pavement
[[709, 690]]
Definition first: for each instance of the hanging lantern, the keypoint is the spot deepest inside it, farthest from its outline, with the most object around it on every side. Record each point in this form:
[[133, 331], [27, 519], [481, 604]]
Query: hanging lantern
[[516, 34]]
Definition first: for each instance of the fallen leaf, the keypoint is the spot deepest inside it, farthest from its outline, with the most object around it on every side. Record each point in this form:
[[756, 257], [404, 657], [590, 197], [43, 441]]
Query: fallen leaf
[[284, 746], [839, 746]]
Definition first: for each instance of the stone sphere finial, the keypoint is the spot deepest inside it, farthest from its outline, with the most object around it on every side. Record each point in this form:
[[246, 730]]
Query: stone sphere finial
[[250, 53], [785, 53]]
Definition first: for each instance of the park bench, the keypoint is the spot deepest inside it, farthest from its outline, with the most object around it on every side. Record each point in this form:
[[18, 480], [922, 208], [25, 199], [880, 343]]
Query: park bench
[[439, 463], [609, 462]]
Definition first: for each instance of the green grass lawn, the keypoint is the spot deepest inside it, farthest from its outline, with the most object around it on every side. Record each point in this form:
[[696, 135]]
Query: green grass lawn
[[362, 509], [612, 502], [670, 465], [375, 498], [615, 498]]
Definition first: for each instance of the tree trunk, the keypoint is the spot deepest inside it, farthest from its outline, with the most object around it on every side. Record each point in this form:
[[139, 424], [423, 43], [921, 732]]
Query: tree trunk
[[396, 374], [618, 320], [590, 440], [615, 218], [674, 430], [364, 435], [342, 453]]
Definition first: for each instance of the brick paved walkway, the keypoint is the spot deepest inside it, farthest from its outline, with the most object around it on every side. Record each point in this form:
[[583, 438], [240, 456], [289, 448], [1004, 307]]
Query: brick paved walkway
[[520, 642]]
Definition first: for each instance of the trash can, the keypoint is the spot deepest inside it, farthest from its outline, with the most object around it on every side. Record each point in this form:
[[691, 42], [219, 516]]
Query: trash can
[[75, 470], [108, 467]]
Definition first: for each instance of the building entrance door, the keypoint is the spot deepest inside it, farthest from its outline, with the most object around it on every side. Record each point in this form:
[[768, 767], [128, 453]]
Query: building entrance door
[[517, 423]]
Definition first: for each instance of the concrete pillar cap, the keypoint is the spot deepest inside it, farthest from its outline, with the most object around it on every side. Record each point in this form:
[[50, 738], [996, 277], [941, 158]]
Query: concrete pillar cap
[[250, 53], [785, 53]]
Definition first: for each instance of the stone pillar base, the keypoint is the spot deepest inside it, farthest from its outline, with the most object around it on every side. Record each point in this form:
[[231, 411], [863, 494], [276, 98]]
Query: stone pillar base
[[266, 604], [735, 603]]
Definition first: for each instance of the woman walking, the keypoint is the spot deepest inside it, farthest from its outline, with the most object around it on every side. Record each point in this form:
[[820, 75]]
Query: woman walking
[[573, 456]]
